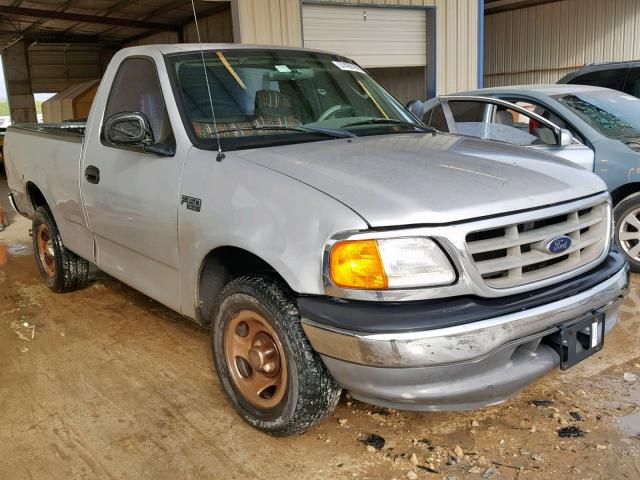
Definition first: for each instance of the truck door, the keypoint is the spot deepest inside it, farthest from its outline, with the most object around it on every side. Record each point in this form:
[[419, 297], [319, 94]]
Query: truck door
[[130, 194]]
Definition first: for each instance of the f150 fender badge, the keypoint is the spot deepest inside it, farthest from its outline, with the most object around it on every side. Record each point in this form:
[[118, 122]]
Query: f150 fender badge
[[558, 244], [193, 203]]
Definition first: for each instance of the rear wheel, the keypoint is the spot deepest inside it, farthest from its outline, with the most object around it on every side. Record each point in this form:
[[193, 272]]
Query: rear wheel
[[62, 270], [266, 366]]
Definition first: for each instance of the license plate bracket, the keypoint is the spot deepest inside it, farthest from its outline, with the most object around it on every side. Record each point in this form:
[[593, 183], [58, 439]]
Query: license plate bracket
[[579, 340]]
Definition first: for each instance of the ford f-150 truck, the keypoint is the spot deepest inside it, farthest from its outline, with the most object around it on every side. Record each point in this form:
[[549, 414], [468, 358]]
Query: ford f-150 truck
[[328, 238]]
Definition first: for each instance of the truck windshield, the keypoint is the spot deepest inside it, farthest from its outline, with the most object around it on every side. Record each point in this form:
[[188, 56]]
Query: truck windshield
[[614, 114], [304, 96]]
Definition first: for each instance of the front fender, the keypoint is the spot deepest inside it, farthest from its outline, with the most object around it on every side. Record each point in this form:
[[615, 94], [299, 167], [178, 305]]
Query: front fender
[[284, 222]]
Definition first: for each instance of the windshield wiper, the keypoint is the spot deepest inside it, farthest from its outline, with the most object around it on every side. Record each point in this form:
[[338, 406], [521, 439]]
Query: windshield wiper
[[391, 121], [323, 131]]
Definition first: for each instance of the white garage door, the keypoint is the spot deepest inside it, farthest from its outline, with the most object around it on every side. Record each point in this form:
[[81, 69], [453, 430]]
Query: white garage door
[[372, 36]]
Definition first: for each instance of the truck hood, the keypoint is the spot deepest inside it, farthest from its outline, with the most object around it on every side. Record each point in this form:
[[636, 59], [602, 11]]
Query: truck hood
[[406, 179]]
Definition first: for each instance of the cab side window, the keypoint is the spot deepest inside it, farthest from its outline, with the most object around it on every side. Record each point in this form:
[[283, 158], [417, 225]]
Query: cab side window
[[136, 88]]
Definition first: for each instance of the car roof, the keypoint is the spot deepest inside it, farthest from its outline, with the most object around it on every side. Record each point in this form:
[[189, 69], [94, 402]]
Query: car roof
[[197, 47], [548, 89], [597, 67]]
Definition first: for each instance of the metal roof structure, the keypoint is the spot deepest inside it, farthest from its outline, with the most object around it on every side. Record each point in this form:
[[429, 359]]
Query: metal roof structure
[[48, 46], [104, 22]]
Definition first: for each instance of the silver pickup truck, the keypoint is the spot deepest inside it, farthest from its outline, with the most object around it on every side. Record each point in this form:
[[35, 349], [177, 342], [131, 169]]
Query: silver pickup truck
[[329, 239]]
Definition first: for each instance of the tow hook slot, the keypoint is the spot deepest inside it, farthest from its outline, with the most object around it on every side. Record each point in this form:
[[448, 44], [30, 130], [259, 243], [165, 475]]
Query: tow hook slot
[[576, 341]]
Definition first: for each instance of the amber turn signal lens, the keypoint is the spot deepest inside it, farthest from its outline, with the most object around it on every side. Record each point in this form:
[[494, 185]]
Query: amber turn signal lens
[[357, 264]]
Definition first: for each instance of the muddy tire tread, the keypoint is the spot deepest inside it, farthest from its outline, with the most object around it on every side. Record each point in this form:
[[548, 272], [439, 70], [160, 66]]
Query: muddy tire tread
[[72, 271], [317, 392]]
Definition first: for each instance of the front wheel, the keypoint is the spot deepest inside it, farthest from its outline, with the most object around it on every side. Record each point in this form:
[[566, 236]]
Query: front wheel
[[61, 269], [627, 230], [267, 368]]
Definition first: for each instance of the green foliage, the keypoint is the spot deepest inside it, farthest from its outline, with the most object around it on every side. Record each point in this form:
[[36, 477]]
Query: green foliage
[[4, 107]]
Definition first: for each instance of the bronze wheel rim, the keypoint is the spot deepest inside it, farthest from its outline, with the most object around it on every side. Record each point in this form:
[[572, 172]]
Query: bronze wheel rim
[[256, 360], [46, 251]]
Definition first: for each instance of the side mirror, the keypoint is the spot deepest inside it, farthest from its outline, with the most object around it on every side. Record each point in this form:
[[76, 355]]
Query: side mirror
[[566, 138], [416, 107], [128, 128]]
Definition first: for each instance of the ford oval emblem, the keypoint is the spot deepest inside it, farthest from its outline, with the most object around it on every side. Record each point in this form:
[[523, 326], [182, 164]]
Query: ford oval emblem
[[558, 244]]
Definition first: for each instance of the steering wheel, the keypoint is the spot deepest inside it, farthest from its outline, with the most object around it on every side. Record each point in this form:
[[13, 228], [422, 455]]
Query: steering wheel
[[332, 111]]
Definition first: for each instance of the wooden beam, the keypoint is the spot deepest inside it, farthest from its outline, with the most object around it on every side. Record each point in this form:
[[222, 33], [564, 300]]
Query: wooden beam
[[173, 4], [40, 21], [113, 9], [209, 12], [81, 18], [218, 8], [15, 62]]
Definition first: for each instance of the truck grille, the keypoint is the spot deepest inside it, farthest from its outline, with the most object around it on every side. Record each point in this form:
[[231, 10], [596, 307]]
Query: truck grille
[[515, 254]]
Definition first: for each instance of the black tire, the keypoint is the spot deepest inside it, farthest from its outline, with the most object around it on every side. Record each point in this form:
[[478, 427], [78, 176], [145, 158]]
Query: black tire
[[311, 393], [63, 271], [628, 207]]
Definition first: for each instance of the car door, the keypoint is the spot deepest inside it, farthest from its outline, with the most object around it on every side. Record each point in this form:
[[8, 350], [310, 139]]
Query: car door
[[495, 119], [130, 195]]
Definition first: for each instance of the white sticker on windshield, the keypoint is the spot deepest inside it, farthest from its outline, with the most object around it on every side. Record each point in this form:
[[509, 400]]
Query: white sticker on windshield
[[349, 67], [283, 68]]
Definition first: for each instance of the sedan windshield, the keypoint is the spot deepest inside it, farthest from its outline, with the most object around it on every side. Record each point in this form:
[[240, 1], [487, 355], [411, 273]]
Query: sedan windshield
[[614, 114], [271, 97]]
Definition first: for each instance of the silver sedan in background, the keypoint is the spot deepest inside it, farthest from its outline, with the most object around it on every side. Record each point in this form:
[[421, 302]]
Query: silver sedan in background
[[600, 132]]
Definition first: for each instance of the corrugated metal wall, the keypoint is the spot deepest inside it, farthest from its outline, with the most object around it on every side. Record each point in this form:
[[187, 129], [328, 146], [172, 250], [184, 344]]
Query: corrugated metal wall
[[278, 22], [156, 38], [543, 43], [268, 22], [457, 40], [373, 37], [409, 85], [216, 28]]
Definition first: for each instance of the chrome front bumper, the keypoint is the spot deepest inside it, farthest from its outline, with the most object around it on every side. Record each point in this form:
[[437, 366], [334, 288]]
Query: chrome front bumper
[[462, 343], [459, 367]]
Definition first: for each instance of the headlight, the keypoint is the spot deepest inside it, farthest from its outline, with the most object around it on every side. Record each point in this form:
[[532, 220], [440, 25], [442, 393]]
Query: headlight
[[389, 263]]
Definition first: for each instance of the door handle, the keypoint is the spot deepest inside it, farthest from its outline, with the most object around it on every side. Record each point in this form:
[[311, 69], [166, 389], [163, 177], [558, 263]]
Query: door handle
[[92, 174]]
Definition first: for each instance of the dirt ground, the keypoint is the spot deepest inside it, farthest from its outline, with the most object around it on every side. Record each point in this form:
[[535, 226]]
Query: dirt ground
[[107, 384]]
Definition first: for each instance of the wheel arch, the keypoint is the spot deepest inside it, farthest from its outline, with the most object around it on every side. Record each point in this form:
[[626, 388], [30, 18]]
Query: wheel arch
[[36, 197], [219, 267], [625, 191]]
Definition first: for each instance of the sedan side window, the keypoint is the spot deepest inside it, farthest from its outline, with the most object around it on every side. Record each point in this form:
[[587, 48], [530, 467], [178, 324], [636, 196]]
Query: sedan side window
[[530, 129], [547, 114], [435, 118], [496, 122], [136, 88], [468, 112], [466, 115]]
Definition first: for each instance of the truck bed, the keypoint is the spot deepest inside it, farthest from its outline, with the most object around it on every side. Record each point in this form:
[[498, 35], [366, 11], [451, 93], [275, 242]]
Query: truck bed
[[49, 156], [66, 130]]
